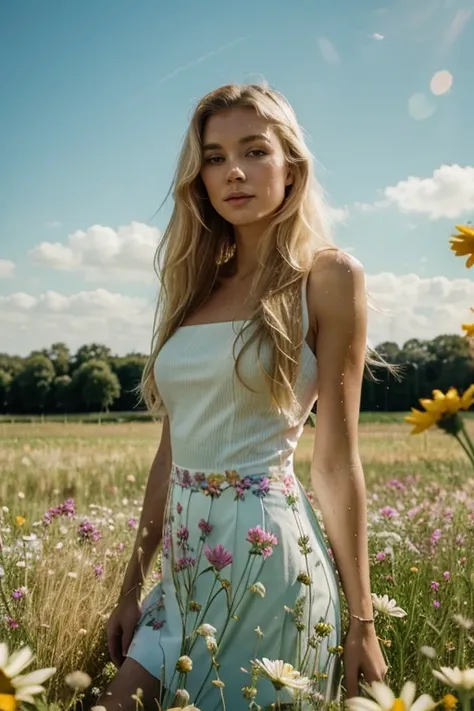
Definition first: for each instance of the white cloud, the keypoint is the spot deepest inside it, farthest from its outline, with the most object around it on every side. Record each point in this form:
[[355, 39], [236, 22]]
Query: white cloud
[[122, 322], [448, 193], [378, 36], [328, 51], [7, 269], [52, 224], [101, 253], [337, 215], [418, 307]]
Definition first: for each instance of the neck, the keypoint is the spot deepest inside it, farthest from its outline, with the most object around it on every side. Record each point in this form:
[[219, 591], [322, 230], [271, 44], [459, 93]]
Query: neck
[[247, 238]]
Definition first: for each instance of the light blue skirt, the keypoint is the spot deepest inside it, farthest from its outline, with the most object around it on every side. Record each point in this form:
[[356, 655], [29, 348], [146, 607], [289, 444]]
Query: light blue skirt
[[246, 575]]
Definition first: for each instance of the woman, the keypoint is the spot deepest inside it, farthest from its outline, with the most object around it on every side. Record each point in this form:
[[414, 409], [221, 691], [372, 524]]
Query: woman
[[258, 317]]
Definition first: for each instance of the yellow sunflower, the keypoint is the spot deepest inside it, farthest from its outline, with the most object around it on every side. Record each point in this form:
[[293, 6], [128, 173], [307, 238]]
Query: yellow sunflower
[[463, 244]]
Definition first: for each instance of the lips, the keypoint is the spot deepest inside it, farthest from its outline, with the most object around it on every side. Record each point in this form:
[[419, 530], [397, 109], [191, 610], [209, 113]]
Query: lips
[[238, 196]]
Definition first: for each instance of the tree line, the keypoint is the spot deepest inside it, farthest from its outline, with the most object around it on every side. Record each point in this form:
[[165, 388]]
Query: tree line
[[55, 381]]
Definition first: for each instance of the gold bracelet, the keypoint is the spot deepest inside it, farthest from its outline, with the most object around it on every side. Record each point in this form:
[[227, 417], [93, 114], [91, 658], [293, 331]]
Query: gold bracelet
[[363, 619]]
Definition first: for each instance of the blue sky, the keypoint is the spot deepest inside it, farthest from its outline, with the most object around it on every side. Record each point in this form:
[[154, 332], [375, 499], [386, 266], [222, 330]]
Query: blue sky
[[96, 97]]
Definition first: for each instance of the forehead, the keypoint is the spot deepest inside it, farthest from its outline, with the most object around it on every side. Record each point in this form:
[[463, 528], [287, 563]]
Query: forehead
[[233, 124]]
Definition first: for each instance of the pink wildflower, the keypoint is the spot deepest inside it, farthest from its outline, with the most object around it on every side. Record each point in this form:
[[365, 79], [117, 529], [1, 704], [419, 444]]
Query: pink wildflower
[[205, 527], [218, 556]]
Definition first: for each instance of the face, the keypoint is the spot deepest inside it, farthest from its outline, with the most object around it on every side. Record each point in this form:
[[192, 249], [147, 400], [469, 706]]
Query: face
[[243, 156]]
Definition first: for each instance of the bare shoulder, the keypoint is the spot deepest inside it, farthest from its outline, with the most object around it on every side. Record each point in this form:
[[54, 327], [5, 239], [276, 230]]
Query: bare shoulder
[[336, 285]]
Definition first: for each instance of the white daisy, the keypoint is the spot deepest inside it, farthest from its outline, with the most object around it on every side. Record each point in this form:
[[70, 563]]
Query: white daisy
[[459, 679], [385, 699], [21, 687], [281, 674], [387, 607]]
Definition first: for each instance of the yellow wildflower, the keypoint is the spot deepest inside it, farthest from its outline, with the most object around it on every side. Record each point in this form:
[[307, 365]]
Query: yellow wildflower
[[20, 521], [421, 421], [469, 328], [463, 244], [449, 702]]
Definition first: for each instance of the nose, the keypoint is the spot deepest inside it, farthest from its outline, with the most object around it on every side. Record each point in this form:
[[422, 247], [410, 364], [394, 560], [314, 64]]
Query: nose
[[235, 172]]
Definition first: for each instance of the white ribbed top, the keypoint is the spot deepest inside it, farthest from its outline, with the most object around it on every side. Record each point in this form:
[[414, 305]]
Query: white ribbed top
[[216, 423]]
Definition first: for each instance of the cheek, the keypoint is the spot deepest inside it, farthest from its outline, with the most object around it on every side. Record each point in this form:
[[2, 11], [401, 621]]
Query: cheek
[[273, 179]]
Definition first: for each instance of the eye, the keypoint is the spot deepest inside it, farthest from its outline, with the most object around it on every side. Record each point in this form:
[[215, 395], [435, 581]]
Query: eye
[[212, 160], [257, 151]]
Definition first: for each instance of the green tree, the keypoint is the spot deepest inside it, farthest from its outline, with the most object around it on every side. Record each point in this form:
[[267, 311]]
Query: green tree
[[61, 394], [129, 371], [5, 382], [92, 351], [95, 385], [30, 390], [60, 356]]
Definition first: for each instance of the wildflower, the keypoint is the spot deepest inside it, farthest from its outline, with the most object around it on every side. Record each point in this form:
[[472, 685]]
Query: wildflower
[[459, 679], [462, 244], [436, 603], [249, 692], [186, 708], [19, 593], [184, 664], [385, 699], [206, 630], [447, 575], [182, 696], [434, 585], [184, 564], [449, 702], [258, 589], [262, 541], [179, 508], [428, 652], [12, 624], [414, 570], [380, 556], [218, 556], [16, 686], [323, 629], [389, 512], [441, 410], [304, 578], [182, 534], [463, 621], [386, 606], [88, 532], [99, 571], [259, 632], [281, 674], [469, 328], [205, 527], [217, 682], [78, 680], [211, 643], [20, 520], [132, 522]]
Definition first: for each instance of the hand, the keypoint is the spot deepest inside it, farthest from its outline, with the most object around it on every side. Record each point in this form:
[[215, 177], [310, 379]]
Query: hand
[[121, 627], [362, 655]]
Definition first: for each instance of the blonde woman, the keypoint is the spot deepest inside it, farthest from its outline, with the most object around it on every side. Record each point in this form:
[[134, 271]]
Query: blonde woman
[[258, 317]]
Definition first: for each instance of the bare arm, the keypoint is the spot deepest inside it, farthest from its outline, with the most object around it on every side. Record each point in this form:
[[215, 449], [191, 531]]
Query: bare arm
[[337, 298], [151, 520]]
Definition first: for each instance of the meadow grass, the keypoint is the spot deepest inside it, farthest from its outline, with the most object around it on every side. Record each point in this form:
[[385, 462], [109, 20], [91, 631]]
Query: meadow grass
[[421, 539]]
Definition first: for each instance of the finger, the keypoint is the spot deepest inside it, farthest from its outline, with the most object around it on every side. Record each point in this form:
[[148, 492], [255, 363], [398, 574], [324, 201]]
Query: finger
[[351, 681]]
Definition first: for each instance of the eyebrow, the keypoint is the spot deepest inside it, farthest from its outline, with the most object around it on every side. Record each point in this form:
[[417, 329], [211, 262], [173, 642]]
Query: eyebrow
[[245, 139]]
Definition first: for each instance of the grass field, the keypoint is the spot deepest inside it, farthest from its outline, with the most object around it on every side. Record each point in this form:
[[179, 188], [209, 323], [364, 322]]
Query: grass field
[[421, 531]]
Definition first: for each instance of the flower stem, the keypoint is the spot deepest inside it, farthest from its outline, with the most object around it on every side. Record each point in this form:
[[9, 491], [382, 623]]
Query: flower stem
[[468, 452]]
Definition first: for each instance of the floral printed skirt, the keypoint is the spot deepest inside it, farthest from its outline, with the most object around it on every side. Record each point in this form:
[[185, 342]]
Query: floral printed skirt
[[246, 581]]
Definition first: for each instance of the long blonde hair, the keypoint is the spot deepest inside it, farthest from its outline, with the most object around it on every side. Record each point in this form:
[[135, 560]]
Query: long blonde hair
[[198, 247]]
